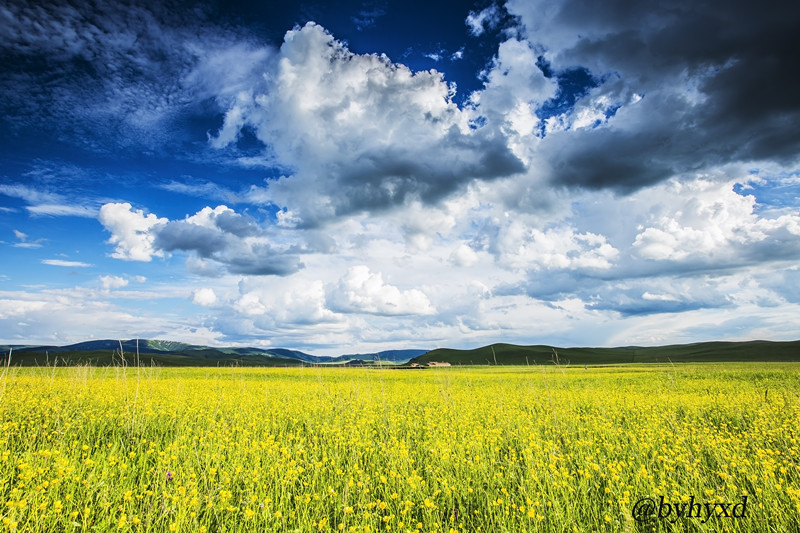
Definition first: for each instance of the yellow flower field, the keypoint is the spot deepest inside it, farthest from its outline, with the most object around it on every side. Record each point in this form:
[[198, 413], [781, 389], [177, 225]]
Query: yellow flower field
[[630, 448]]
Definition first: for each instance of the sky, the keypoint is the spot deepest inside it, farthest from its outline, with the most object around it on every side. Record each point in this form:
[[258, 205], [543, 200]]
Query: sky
[[366, 175]]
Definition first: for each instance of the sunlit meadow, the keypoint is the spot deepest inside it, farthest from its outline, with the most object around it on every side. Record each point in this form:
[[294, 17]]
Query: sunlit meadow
[[537, 448]]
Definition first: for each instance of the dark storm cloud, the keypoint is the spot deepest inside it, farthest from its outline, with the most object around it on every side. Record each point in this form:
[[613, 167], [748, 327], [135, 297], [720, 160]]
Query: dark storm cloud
[[264, 262], [386, 178], [236, 224], [222, 236], [188, 237], [610, 157], [719, 80]]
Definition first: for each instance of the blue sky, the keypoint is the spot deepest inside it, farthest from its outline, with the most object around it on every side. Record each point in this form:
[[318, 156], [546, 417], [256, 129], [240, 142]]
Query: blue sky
[[367, 175]]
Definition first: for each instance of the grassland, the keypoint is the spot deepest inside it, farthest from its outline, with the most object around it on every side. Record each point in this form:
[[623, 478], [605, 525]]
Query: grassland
[[492, 449]]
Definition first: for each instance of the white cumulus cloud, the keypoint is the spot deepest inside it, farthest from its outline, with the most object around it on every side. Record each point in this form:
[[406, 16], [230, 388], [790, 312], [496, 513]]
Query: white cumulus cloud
[[706, 220], [219, 236], [112, 282], [362, 133], [131, 231], [362, 291], [204, 296]]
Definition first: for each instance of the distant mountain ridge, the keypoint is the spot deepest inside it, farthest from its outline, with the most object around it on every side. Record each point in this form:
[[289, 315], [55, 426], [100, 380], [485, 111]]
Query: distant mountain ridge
[[701, 352], [170, 353]]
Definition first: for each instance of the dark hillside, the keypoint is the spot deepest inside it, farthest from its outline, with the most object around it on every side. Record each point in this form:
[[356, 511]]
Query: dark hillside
[[510, 354]]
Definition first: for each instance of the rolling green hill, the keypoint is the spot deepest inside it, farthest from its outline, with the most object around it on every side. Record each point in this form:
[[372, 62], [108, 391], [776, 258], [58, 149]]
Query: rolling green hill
[[198, 357], [167, 353], [509, 354]]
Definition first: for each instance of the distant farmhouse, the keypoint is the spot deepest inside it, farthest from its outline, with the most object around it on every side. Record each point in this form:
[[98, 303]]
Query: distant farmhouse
[[429, 364]]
